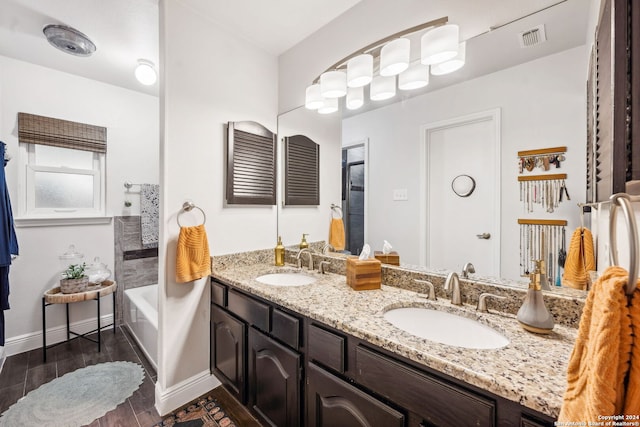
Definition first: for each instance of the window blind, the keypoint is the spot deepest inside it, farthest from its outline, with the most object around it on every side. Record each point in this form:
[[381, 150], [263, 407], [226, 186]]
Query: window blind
[[33, 129]]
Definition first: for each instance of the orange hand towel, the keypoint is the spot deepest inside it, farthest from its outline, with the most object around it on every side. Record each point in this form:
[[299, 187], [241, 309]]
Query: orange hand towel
[[599, 362], [336, 234], [632, 397], [580, 259], [192, 254]]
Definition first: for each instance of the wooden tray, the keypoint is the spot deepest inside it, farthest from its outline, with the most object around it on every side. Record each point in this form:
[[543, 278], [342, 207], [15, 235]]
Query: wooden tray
[[55, 296]]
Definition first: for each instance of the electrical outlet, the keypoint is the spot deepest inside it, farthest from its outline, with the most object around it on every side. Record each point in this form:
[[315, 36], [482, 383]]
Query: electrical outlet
[[400, 194]]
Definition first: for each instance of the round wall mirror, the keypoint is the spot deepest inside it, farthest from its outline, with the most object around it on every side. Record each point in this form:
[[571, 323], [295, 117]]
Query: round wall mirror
[[463, 185]]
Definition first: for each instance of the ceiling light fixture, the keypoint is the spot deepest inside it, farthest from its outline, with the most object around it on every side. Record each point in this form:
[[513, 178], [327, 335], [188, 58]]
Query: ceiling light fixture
[[146, 72], [392, 55], [69, 40]]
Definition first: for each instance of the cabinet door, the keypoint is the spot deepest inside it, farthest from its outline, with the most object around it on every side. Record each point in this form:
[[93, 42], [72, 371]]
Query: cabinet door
[[274, 381], [332, 402], [228, 346]]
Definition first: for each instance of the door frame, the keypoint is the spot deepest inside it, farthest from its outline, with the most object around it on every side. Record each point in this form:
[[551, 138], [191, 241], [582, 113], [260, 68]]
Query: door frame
[[426, 131], [365, 143]]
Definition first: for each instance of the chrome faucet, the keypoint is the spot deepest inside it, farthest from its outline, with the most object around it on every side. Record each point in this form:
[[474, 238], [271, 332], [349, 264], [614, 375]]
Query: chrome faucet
[[452, 283], [482, 301], [299, 260], [468, 268]]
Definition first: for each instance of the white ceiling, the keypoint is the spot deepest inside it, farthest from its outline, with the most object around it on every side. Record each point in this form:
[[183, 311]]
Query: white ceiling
[[127, 30]]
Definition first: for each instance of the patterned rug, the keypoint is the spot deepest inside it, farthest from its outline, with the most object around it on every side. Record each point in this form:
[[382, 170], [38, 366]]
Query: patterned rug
[[203, 413]]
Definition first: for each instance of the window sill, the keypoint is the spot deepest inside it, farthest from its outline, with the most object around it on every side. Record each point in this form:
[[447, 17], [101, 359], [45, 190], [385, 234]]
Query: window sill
[[55, 222]]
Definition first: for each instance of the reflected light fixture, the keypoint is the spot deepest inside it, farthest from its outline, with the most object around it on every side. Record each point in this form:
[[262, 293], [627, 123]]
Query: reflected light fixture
[[360, 70], [382, 87], [313, 99], [414, 77], [330, 106], [355, 98], [453, 64], [146, 72], [333, 84], [439, 44], [394, 57]]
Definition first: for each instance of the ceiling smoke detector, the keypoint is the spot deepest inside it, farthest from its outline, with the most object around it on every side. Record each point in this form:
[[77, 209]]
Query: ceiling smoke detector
[[69, 40], [532, 37]]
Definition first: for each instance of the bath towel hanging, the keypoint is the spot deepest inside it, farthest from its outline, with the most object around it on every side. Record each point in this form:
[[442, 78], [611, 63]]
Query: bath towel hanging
[[580, 259], [8, 244], [336, 229], [149, 214], [192, 254]]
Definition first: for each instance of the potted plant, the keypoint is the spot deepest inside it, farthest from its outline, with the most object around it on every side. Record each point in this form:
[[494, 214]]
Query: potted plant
[[74, 279]]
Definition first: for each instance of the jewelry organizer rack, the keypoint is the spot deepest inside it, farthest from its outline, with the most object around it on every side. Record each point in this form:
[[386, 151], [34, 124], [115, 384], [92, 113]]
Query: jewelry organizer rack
[[542, 239], [545, 190], [541, 158]]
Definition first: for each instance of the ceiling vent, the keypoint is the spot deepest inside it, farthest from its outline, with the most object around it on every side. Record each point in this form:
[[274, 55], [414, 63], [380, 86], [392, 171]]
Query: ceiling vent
[[532, 37], [69, 40]]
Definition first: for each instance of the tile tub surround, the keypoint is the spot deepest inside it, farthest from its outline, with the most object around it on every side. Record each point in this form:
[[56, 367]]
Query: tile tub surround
[[530, 370]]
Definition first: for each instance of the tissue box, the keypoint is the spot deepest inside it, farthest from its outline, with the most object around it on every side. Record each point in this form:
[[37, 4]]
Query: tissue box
[[391, 258], [365, 274]]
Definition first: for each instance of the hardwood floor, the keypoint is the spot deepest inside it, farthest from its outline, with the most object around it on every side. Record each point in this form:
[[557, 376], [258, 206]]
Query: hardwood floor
[[26, 371]]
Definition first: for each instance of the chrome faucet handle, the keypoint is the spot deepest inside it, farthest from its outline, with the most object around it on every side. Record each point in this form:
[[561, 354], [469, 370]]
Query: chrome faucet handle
[[482, 301], [321, 267], [328, 248], [468, 268], [432, 293]]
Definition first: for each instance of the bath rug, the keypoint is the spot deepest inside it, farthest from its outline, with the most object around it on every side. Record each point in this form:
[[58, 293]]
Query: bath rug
[[76, 398], [205, 412]]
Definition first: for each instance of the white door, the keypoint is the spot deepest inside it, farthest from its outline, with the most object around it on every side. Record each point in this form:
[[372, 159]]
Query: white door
[[461, 228]]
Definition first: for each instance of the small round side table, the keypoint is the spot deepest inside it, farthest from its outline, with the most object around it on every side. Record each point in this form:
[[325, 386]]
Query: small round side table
[[95, 292]]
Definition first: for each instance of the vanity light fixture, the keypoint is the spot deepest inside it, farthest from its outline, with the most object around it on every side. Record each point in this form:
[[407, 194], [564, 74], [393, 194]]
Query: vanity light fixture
[[392, 57], [146, 72], [453, 64]]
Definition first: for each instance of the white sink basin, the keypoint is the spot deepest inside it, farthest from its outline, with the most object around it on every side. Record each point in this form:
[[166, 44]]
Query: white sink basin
[[286, 279], [446, 328]]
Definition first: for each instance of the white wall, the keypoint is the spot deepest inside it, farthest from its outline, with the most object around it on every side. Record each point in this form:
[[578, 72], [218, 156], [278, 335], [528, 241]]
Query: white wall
[[131, 119], [543, 105], [208, 79]]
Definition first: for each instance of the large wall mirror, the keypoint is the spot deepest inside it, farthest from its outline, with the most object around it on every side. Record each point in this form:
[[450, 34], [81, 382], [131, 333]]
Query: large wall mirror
[[474, 122]]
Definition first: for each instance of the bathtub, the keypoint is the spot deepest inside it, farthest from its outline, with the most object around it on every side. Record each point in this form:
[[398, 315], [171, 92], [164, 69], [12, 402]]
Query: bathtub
[[141, 317]]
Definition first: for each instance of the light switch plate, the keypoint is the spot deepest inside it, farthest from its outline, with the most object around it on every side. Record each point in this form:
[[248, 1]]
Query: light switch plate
[[400, 194]]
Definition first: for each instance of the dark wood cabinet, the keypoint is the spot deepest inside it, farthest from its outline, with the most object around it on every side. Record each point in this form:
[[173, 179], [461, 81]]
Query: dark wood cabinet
[[332, 402], [228, 351], [274, 381]]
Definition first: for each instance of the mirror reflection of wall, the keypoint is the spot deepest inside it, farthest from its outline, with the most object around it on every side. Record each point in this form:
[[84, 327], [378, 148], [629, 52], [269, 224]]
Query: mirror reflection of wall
[[353, 196]]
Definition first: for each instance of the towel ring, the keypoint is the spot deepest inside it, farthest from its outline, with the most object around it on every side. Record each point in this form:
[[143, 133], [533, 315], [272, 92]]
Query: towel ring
[[623, 200], [337, 208], [188, 207]]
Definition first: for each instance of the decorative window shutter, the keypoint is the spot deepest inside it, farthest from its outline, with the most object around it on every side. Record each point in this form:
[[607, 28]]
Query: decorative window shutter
[[34, 129], [302, 171], [251, 164]]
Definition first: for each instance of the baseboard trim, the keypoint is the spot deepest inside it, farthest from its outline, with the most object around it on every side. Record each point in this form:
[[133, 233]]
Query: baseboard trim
[[184, 392], [33, 340]]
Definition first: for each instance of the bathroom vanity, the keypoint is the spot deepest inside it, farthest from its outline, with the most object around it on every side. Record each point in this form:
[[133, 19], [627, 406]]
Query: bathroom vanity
[[323, 355]]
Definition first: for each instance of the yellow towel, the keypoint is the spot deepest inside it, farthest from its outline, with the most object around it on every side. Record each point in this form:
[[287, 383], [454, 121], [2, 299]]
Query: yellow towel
[[580, 260], [632, 398], [336, 234], [599, 363], [192, 254]]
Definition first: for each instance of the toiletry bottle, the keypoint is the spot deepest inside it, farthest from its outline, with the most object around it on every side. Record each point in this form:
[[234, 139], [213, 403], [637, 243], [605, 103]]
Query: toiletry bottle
[[279, 252], [533, 315], [303, 242]]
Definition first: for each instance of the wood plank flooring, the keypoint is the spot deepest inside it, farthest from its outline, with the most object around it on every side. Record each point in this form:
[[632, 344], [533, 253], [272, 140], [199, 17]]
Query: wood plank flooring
[[26, 371]]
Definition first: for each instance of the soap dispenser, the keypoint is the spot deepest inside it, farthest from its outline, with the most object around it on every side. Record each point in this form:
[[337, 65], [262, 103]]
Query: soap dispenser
[[279, 252], [303, 242], [533, 315]]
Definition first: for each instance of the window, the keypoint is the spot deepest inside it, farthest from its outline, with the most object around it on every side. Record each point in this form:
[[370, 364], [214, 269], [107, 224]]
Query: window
[[63, 168]]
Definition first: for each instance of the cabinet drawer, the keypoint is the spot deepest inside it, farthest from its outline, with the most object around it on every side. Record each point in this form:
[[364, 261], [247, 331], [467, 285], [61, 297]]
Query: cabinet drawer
[[218, 294], [326, 348], [248, 309], [286, 328], [437, 402]]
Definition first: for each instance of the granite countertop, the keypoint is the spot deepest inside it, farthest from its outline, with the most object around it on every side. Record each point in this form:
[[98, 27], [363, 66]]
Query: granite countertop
[[530, 370]]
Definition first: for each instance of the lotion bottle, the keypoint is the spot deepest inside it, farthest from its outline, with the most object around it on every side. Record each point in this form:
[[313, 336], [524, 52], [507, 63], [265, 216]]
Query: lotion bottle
[[533, 316], [279, 250], [303, 243]]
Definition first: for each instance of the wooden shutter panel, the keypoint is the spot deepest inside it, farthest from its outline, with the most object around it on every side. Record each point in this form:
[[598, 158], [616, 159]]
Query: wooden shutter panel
[[251, 164], [302, 171], [43, 130]]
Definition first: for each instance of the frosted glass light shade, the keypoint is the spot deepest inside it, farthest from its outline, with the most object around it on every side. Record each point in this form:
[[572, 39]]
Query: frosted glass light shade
[[414, 77], [382, 87], [313, 99], [453, 64], [360, 70], [330, 106], [145, 72], [394, 57], [355, 98], [333, 84], [439, 44]]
